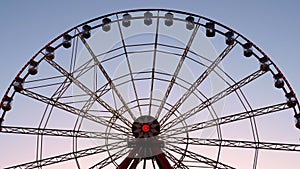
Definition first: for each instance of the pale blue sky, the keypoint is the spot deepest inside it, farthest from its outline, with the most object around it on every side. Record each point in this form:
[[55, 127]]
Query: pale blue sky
[[26, 26]]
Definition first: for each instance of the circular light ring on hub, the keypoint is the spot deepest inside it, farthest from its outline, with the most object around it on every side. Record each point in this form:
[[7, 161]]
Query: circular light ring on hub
[[146, 128]]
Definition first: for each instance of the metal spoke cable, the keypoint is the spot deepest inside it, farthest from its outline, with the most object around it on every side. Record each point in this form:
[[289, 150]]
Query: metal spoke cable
[[91, 93], [112, 85], [62, 133], [228, 119], [75, 111], [178, 67], [176, 161], [199, 80], [236, 143], [153, 66], [197, 157], [105, 162], [213, 99], [68, 156], [129, 67]]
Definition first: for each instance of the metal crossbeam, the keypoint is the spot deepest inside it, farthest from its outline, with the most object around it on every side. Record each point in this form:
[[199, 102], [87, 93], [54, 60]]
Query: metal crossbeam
[[213, 99], [129, 68], [62, 133], [177, 162], [109, 160], [68, 156], [62, 88], [112, 85], [180, 63], [75, 111], [201, 159], [91, 93], [229, 119], [194, 86], [103, 89], [153, 66], [236, 143]]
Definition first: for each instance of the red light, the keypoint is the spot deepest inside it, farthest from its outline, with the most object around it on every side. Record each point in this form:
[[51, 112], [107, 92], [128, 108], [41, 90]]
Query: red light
[[145, 128]]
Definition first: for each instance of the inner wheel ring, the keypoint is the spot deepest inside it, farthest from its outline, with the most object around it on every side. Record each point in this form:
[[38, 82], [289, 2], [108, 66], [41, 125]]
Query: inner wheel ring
[[107, 104]]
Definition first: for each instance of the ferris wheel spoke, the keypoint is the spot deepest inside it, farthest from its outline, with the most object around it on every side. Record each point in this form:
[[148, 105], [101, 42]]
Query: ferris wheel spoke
[[175, 160], [103, 163], [178, 67], [236, 143], [45, 79], [62, 133], [112, 85], [89, 103], [199, 80], [129, 67], [62, 88], [153, 66], [230, 118], [102, 101], [75, 111], [91, 93], [197, 157], [82, 69], [213, 99], [69, 156]]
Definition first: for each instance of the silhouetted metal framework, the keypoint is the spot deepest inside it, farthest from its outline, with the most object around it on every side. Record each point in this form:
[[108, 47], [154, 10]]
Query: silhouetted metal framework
[[127, 142], [69, 156]]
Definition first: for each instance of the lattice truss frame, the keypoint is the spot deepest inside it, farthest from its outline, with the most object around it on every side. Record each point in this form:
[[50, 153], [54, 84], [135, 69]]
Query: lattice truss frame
[[102, 114]]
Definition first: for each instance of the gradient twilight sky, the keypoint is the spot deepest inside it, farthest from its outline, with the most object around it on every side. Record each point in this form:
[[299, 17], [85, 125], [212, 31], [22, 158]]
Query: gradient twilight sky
[[26, 26]]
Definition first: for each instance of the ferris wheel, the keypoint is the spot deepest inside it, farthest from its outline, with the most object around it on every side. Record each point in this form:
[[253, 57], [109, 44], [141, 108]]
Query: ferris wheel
[[148, 88]]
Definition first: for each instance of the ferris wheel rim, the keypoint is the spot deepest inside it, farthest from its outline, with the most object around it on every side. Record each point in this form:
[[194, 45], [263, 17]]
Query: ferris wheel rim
[[151, 9], [274, 72]]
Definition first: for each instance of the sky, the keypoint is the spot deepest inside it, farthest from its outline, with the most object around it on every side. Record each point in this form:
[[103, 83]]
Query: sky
[[26, 26]]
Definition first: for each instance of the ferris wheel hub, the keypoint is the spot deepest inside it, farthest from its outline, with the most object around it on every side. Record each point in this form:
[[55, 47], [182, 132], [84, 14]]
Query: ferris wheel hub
[[145, 127]]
